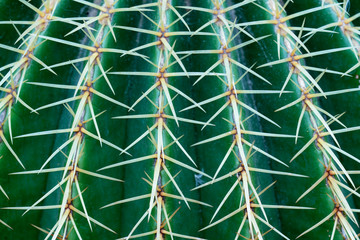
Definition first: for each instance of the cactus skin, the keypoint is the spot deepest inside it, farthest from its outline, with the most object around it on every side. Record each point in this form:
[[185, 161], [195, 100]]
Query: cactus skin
[[167, 161]]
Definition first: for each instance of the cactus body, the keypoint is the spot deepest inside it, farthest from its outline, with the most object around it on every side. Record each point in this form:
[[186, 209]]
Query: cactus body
[[169, 119]]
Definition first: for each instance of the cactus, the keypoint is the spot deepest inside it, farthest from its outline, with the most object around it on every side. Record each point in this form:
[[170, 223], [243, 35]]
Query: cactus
[[168, 119]]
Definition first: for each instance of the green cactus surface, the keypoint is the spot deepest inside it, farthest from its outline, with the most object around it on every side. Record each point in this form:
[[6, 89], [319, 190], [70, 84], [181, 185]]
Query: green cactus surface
[[179, 119]]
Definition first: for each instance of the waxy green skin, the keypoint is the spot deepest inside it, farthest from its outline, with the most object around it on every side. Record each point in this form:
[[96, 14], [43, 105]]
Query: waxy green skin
[[132, 174], [288, 190], [14, 10], [24, 190], [99, 192], [184, 221], [211, 154], [338, 103], [34, 151]]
